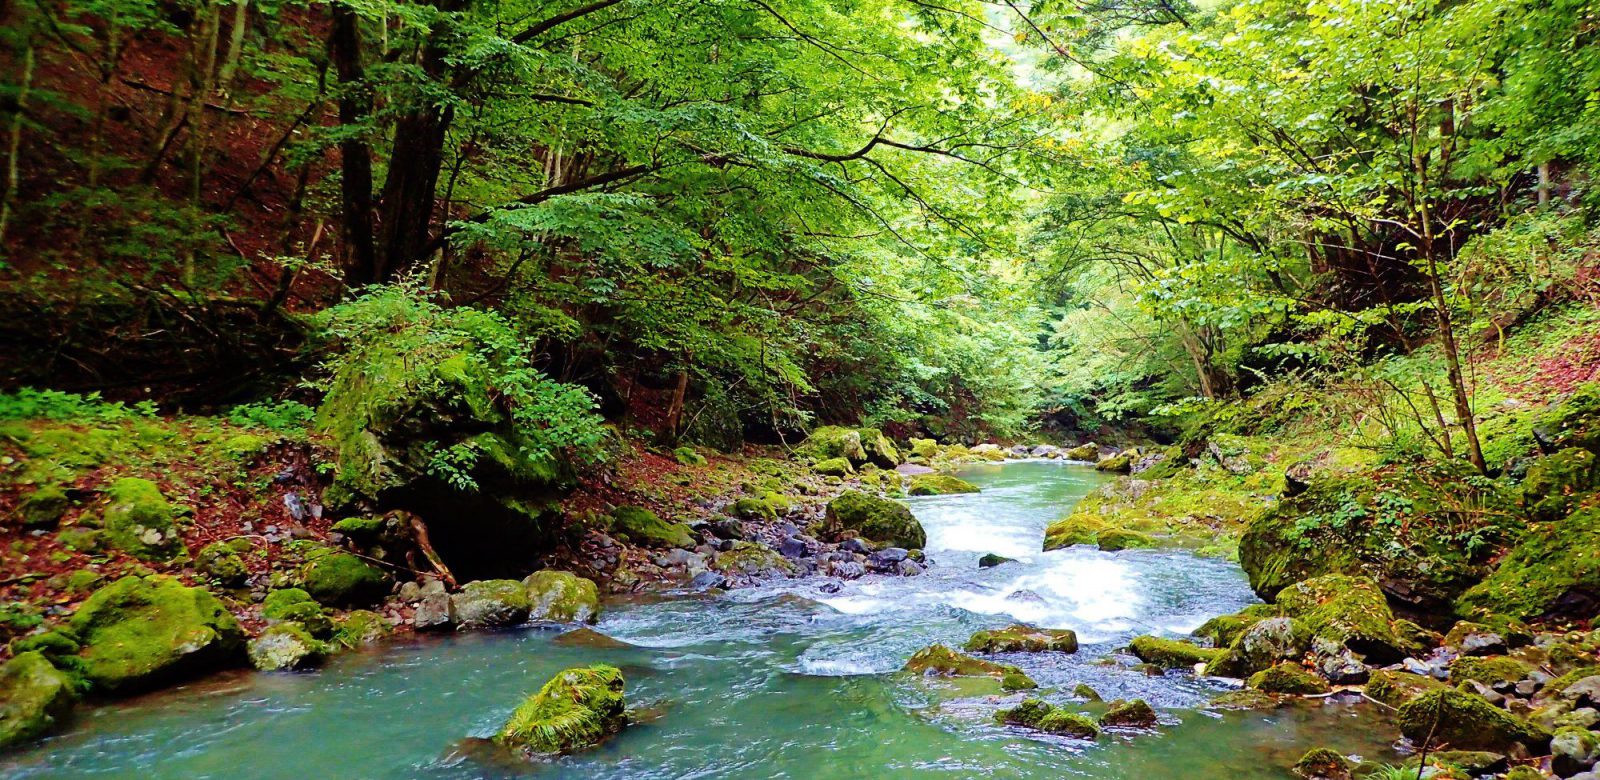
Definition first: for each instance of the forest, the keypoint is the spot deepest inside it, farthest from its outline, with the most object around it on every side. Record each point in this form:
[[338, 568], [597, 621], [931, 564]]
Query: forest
[[1211, 359]]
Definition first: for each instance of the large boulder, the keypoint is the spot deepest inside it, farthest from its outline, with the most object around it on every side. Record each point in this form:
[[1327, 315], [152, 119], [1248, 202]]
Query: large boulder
[[877, 519], [1552, 571], [1288, 678], [139, 520], [644, 527], [1351, 611], [1041, 715], [490, 604], [1262, 646], [35, 698], [856, 445], [139, 632], [1466, 721], [344, 580], [1170, 653], [562, 597], [1074, 529], [1022, 639], [578, 709]]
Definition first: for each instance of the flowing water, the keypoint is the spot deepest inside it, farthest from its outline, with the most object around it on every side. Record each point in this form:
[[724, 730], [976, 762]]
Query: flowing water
[[780, 681]]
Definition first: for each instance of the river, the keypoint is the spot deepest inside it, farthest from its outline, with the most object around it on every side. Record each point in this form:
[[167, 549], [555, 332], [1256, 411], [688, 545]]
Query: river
[[779, 681]]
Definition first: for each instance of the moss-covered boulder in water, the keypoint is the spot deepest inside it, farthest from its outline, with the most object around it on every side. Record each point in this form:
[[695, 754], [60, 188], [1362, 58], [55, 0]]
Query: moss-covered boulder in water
[[1323, 764], [941, 661], [139, 521], [924, 448], [562, 597], [1170, 653], [1041, 715], [1022, 639], [1136, 714], [139, 632], [939, 485], [1223, 629], [35, 698], [344, 580], [1553, 571], [1261, 646], [877, 519], [1076, 528], [645, 527], [1114, 539], [286, 647], [1288, 678], [490, 604], [1088, 453], [1120, 463], [578, 709], [1466, 721], [1351, 611]]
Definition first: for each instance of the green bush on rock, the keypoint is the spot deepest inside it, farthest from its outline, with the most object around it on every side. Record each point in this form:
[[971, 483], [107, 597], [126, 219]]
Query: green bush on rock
[[577, 709], [876, 519], [138, 632]]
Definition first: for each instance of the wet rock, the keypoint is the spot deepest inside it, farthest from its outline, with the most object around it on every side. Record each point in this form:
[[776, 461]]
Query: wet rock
[[1338, 664], [139, 632], [344, 580], [1323, 764], [644, 527], [35, 698], [856, 545], [1130, 714], [1022, 639], [708, 580], [1466, 721], [1573, 750], [1170, 653], [886, 558], [939, 660], [433, 613], [1261, 646], [908, 568], [728, 528], [490, 604], [1290, 678], [876, 519], [1042, 716], [793, 548], [286, 647], [577, 709], [913, 469], [848, 570], [1044, 450], [679, 558], [1083, 691], [1087, 453], [1395, 688], [830, 587], [939, 485], [563, 597], [992, 560]]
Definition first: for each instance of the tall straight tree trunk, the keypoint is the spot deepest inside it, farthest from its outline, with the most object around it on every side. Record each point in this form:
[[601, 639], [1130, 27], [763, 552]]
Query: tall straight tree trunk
[[355, 159], [14, 141]]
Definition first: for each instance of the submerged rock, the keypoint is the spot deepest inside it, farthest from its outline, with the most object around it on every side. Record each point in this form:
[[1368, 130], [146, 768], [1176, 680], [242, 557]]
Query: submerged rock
[[592, 639], [1088, 453], [562, 597], [1025, 639], [939, 485], [490, 604], [139, 632], [942, 661], [1076, 528], [35, 698], [991, 560], [879, 520], [578, 709], [1041, 715]]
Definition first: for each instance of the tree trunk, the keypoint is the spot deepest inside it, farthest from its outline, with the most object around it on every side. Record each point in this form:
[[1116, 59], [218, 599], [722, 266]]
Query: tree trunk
[[14, 141], [355, 159], [675, 410]]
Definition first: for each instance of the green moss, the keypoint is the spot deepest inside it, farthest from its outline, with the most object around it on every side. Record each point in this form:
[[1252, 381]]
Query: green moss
[[645, 527], [80, 539], [294, 605], [1395, 688], [832, 441], [344, 580], [1223, 629], [1023, 639], [1488, 670], [139, 521], [1553, 571], [35, 698], [1017, 681], [754, 509], [1261, 646], [1170, 653], [1322, 762], [1524, 773], [1076, 528], [924, 448], [834, 467], [1351, 611], [1088, 453], [364, 529], [577, 709], [286, 647], [688, 456], [1042, 716], [878, 520], [1288, 678], [137, 632], [562, 597], [491, 604], [939, 485], [1113, 539], [1565, 681], [1466, 721], [1553, 483], [943, 661], [1117, 464], [44, 506], [1129, 714], [360, 627], [222, 564]]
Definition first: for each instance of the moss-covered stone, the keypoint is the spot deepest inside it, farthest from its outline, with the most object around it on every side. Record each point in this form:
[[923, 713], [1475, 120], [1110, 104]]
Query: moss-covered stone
[[1170, 653], [1129, 714], [1114, 539], [1261, 646], [490, 604], [1076, 528], [577, 709], [876, 519], [35, 698], [139, 632], [1554, 482], [688, 456], [1324, 764], [222, 564], [1288, 678], [752, 559], [44, 506], [286, 647], [344, 580], [1022, 639], [1489, 670], [1088, 453], [1223, 629], [562, 597], [1553, 571], [832, 441], [945, 662], [364, 529], [1120, 463], [924, 448], [360, 627], [1017, 680], [645, 527], [749, 508], [834, 467], [139, 521], [1395, 688], [1351, 611], [939, 485], [1040, 715], [295, 605], [1466, 721]]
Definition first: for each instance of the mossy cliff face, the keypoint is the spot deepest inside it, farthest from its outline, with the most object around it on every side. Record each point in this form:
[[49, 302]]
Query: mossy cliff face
[[35, 698], [561, 597], [577, 709], [139, 632], [878, 520]]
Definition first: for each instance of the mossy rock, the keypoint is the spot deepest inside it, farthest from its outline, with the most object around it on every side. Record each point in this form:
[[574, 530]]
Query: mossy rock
[[44, 506], [139, 632], [1262, 646], [1488, 670], [1223, 629], [1524, 773], [286, 647], [991, 560], [1289, 678], [1041, 715], [562, 597], [1351, 611], [939, 485], [1114, 539], [344, 580], [1076, 528], [1574, 422], [646, 528], [754, 509], [365, 530], [834, 467], [1022, 639], [35, 698], [577, 709], [1553, 571], [942, 661], [490, 604], [1120, 463], [752, 559], [139, 521], [295, 605], [222, 564], [832, 441], [1087, 453], [688, 456], [1466, 721], [880, 451], [1554, 483], [360, 627], [878, 520], [1170, 653], [1395, 688], [1323, 763], [1136, 714], [1574, 750], [1017, 680], [924, 448]]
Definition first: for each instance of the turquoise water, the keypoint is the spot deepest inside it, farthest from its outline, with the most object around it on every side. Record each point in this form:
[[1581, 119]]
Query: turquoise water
[[781, 681]]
